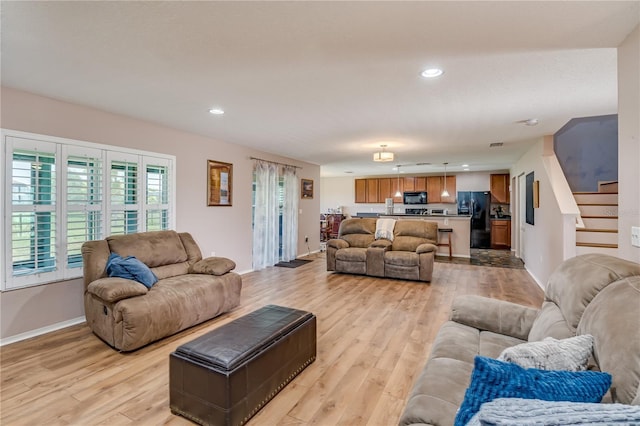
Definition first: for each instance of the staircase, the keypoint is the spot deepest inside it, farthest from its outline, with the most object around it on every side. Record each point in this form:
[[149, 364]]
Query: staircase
[[599, 211]]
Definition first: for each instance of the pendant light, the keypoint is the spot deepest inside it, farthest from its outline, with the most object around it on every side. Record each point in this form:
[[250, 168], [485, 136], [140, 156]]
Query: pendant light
[[445, 193], [398, 194]]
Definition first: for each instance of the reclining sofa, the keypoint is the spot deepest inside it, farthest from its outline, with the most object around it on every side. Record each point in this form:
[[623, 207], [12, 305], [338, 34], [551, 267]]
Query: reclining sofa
[[127, 315], [589, 294], [409, 256]]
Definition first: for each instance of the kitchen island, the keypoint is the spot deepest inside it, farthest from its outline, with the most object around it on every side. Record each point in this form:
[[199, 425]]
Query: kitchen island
[[460, 237]]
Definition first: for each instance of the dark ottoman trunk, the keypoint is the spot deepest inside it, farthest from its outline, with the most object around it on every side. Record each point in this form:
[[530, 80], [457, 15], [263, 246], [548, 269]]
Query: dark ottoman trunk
[[225, 376]]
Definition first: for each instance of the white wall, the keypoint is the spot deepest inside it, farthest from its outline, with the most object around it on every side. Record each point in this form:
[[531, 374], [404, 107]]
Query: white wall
[[629, 144], [225, 230], [543, 249]]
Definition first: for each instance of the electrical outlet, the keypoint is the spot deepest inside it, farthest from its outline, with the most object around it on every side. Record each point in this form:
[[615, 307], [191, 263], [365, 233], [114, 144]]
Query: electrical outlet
[[635, 236], [306, 239]]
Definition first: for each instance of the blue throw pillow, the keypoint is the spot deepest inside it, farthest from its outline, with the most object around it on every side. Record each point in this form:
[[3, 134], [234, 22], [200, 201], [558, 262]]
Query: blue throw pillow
[[131, 269], [493, 379]]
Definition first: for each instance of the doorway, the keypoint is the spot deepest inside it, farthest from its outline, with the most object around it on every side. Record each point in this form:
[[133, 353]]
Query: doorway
[[520, 216]]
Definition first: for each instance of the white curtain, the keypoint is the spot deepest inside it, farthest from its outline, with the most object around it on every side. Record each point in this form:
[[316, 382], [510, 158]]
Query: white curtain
[[265, 217], [290, 197]]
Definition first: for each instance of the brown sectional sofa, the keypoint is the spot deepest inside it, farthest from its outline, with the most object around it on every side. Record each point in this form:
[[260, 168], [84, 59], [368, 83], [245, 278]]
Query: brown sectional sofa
[[190, 290], [589, 294], [409, 256]]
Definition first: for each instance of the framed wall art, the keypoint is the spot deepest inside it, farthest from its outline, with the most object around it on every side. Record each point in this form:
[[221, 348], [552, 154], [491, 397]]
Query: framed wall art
[[219, 183], [306, 188]]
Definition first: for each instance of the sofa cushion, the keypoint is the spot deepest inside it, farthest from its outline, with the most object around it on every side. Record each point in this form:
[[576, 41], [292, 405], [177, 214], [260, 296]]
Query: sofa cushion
[[155, 248], [588, 274], [493, 379], [570, 354], [352, 254], [613, 318], [358, 232], [492, 344], [549, 323], [213, 266], [437, 393], [130, 268]]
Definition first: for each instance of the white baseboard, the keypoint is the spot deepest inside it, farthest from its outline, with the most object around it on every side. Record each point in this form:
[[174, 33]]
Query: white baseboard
[[244, 272], [534, 277], [43, 330]]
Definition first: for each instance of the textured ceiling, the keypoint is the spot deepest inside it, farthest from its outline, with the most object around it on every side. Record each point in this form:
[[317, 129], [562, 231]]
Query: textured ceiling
[[328, 82]]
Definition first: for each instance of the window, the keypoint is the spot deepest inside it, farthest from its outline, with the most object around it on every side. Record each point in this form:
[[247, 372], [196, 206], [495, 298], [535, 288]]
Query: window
[[61, 193]]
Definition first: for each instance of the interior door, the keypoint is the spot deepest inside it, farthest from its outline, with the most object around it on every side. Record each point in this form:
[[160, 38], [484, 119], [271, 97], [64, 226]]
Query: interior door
[[521, 216]]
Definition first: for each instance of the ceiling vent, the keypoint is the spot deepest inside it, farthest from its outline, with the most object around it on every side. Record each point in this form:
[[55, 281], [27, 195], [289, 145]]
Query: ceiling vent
[[495, 144]]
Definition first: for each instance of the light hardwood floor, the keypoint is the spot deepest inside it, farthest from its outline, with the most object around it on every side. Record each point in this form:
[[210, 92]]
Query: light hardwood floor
[[374, 336]]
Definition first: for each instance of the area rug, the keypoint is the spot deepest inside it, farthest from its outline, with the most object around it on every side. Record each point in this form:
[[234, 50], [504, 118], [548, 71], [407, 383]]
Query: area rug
[[294, 263]]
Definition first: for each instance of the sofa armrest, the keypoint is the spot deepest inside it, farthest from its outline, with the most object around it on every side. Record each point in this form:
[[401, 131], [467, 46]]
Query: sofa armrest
[[494, 315], [382, 243], [426, 248], [113, 289], [337, 243], [212, 266]]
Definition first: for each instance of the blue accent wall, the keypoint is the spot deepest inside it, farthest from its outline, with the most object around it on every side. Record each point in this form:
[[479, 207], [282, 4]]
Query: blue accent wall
[[587, 149]]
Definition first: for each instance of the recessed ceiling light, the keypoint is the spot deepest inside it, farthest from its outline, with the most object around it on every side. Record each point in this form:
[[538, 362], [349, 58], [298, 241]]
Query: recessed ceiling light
[[466, 169], [432, 72], [465, 165], [348, 171], [531, 122], [216, 111]]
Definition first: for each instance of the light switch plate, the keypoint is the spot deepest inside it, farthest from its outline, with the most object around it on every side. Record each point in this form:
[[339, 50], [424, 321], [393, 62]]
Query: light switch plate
[[635, 236]]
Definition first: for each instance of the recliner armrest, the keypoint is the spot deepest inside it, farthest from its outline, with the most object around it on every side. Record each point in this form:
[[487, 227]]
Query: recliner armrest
[[382, 243], [212, 266], [426, 248], [337, 243], [494, 315], [113, 289]]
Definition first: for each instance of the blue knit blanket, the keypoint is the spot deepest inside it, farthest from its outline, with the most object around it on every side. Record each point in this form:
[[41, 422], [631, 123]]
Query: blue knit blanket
[[520, 412]]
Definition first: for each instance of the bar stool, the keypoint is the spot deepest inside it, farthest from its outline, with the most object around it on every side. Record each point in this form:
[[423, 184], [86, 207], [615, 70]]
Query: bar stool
[[448, 232]]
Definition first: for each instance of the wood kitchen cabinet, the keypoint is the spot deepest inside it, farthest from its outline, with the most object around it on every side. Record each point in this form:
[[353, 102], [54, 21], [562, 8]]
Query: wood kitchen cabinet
[[408, 184], [372, 191], [361, 191], [500, 234], [420, 183], [384, 189], [397, 185], [435, 186], [500, 188], [451, 188]]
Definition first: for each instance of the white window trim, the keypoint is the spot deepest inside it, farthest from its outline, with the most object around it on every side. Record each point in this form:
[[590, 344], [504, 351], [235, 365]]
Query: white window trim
[[64, 148]]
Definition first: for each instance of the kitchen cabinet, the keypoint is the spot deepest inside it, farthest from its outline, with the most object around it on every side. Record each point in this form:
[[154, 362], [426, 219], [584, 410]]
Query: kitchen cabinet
[[451, 187], [384, 189], [500, 188], [372, 191], [435, 186], [361, 190], [408, 183], [397, 185], [420, 183], [500, 234]]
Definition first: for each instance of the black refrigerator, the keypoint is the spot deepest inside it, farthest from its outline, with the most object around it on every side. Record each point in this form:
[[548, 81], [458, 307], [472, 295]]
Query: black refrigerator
[[476, 205]]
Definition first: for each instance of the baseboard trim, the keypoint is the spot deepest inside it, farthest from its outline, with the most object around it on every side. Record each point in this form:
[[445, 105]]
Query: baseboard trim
[[534, 277], [40, 331]]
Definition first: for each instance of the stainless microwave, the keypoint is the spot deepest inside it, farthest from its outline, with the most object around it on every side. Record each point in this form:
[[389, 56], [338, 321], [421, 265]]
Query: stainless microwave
[[416, 197]]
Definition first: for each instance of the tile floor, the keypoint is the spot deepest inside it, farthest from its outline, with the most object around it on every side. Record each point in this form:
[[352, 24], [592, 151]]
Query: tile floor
[[487, 257]]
